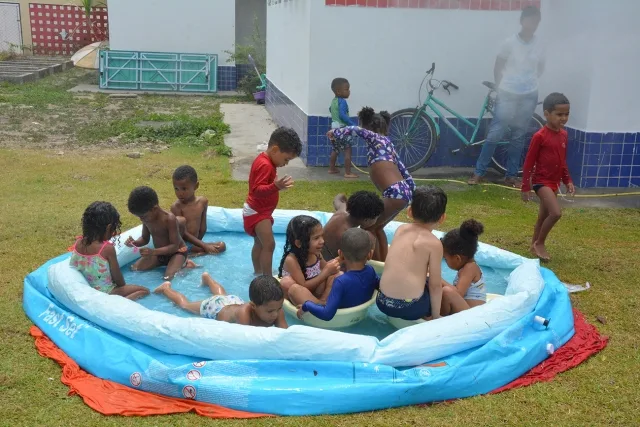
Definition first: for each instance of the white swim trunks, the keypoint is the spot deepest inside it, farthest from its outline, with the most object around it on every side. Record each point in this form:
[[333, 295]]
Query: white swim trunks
[[210, 307]]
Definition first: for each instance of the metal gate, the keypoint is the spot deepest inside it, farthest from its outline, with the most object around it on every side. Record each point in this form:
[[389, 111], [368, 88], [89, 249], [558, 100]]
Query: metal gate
[[10, 28], [169, 72]]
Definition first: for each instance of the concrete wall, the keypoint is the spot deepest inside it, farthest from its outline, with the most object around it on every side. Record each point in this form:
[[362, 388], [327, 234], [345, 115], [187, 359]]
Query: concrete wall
[[25, 20], [289, 49], [246, 12], [185, 26], [385, 52]]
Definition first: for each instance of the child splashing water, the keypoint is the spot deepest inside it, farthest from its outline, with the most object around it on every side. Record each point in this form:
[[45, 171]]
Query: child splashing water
[[388, 173], [460, 246], [95, 257], [302, 263]]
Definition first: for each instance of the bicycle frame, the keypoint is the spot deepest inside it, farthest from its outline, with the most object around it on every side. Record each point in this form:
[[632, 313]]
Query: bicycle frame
[[434, 104]]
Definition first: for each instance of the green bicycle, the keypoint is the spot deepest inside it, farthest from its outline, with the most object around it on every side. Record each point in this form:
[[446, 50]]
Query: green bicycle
[[415, 131]]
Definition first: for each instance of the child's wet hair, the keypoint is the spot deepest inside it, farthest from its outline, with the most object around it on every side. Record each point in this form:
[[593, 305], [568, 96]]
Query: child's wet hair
[[463, 241], [553, 100], [355, 245], [185, 172], [142, 200], [264, 289], [96, 219], [337, 83], [299, 228], [365, 205], [530, 12], [429, 204], [287, 140], [375, 122]]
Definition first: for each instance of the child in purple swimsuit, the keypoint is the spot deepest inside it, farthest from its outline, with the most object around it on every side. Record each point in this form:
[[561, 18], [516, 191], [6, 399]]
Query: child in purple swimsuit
[[387, 171]]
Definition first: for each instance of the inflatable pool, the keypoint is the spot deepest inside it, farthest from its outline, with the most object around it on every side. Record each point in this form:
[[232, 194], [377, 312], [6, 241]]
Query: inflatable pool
[[301, 370]]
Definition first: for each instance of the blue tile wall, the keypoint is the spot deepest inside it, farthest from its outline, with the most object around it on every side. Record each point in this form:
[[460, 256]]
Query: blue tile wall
[[594, 159], [227, 78]]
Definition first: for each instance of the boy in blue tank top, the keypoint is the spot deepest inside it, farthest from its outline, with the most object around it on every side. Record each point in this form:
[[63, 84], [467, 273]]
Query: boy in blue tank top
[[339, 110]]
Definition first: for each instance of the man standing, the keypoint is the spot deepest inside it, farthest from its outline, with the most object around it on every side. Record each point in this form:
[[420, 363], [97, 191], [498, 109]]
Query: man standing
[[518, 67]]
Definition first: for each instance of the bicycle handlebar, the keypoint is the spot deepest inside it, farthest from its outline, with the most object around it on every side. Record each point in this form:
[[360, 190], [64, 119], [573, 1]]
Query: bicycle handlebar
[[433, 68]]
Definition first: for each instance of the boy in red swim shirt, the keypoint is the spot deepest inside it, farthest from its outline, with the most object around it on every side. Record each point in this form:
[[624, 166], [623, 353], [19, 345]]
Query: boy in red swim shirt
[[544, 167], [264, 187]]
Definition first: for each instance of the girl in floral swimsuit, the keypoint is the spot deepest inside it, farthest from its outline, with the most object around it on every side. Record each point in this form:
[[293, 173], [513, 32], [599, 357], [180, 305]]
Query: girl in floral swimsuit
[[388, 173], [95, 257]]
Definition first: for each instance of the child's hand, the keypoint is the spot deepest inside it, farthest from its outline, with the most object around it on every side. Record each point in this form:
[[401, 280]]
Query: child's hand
[[330, 135], [300, 312], [145, 252], [129, 242], [526, 196], [284, 183], [332, 267], [212, 249], [571, 188]]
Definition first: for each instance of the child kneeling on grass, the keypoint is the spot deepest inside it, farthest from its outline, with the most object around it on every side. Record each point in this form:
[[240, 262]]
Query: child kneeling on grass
[[352, 288], [264, 309]]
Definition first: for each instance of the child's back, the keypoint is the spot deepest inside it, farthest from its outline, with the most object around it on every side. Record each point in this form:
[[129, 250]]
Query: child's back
[[410, 287]]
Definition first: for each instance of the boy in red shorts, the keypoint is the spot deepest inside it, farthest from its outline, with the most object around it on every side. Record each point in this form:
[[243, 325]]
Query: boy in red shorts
[[544, 168], [264, 187]]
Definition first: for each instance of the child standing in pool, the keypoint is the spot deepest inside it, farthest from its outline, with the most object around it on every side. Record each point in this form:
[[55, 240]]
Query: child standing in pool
[[460, 246], [411, 284], [264, 187], [302, 261], [353, 288], [388, 173], [95, 257], [192, 210], [264, 309], [362, 209], [544, 167], [169, 248]]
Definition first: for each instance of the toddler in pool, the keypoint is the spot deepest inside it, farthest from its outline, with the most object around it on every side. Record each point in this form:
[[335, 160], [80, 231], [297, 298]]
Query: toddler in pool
[[460, 246], [95, 257], [302, 261], [264, 309]]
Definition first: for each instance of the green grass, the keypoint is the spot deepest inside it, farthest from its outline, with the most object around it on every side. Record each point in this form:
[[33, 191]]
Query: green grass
[[44, 196]]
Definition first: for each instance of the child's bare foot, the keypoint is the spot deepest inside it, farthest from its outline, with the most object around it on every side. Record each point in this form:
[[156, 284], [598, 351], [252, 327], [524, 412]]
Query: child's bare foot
[[532, 250], [191, 264], [541, 252], [160, 289], [334, 171], [350, 175], [205, 276]]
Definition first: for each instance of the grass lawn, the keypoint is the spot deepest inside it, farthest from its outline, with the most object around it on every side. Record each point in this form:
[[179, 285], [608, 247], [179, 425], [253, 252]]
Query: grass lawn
[[44, 194]]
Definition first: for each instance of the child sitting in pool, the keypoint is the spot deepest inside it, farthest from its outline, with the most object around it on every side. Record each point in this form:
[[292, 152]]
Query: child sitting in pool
[[302, 261], [95, 257], [192, 210], [264, 309], [162, 226], [350, 289], [460, 246], [361, 210], [410, 286]]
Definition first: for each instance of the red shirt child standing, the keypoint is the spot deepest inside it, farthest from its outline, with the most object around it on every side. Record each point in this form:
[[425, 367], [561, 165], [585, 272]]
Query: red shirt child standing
[[544, 167], [264, 187]]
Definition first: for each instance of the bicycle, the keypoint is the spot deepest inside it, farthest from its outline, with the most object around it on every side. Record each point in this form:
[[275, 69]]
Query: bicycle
[[415, 132]]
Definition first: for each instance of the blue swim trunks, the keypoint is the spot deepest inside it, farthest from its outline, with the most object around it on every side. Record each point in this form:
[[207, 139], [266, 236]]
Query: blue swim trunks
[[210, 307], [407, 309]]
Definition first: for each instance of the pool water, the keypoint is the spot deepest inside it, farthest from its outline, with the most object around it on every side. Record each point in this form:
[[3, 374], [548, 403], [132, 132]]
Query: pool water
[[234, 270]]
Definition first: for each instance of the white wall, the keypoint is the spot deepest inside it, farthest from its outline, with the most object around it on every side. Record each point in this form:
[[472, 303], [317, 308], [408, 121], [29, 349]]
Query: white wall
[[593, 55], [246, 13], [384, 53], [183, 26], [289, 50]]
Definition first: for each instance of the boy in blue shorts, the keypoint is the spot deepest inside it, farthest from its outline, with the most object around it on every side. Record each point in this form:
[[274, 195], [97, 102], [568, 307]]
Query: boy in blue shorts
[[339, 110], [352, 288]]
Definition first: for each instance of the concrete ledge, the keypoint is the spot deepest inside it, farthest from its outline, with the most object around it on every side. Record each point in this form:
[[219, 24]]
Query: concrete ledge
[[87, 88], [29, 69]]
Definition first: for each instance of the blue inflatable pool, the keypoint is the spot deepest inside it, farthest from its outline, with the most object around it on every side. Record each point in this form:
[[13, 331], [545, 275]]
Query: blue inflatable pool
[[301, 370]]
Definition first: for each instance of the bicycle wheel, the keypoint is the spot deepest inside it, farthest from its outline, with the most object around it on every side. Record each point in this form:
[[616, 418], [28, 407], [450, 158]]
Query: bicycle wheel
[[499, 158], [414, 146]]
